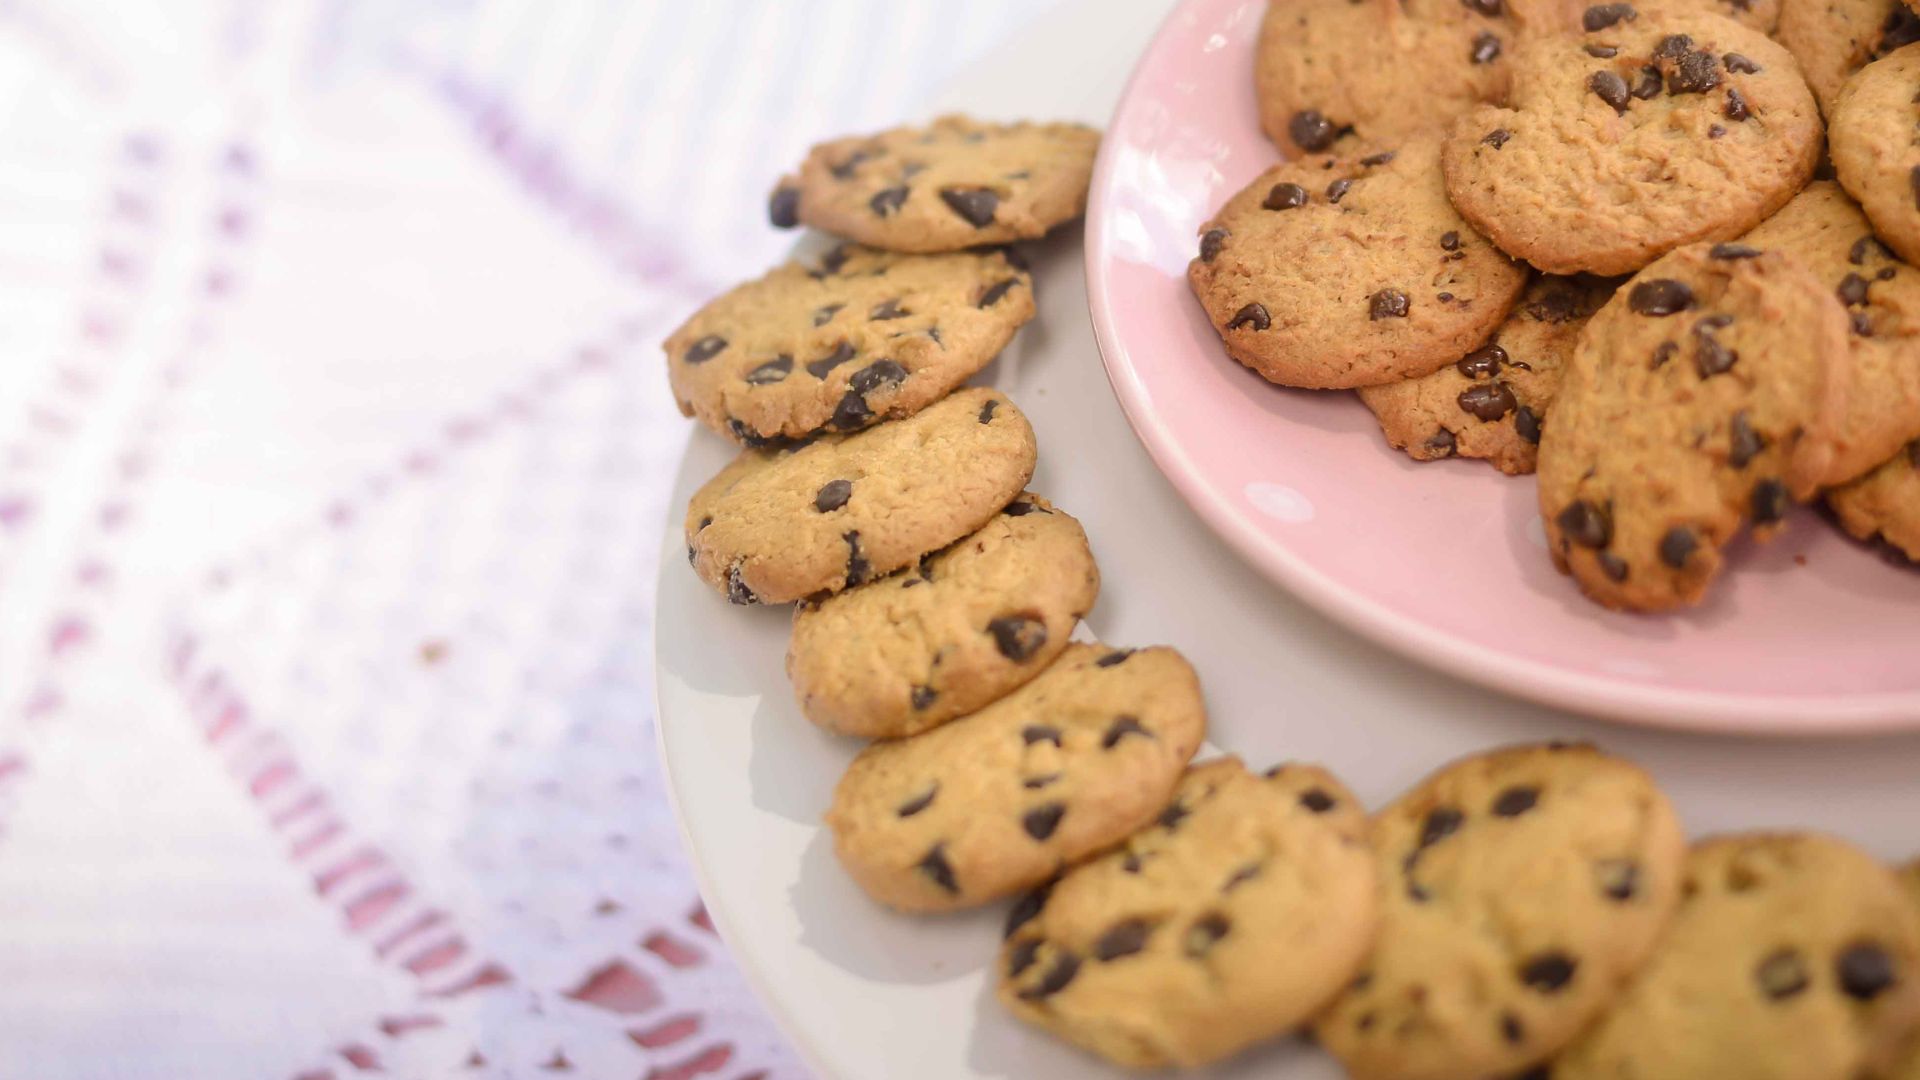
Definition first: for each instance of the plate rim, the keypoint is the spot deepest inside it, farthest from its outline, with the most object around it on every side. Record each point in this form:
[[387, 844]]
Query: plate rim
[[1436, 647]]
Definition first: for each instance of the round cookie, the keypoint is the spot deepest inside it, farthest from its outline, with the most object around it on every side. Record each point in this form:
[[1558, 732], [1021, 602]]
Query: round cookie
[[956, 183], [1830, 237], [1230, 921], [1493, 402], [859, 337], [1341, 272], [964, 628], [1792, 957], [1655, 128], [1875, 154], [777, 526], [1519, 890], [1704, 395], [990, 804], [1832, 39], [1330, 75], [1885, 503]]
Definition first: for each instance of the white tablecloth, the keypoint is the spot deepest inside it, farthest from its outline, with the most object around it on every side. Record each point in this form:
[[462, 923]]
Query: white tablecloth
[[333, 446]]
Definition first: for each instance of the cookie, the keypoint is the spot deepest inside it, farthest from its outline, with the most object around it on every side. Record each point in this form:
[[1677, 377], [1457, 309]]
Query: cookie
[[1792, 957], [1231, 921], [1832, 39], [780, 525], [956, 183], [1493, 402], [859, 337], [1885, 503], [1875, 155], [1331, 75], [1705, 395], [1826, 232], [964, 628], [985, 806], [1907, 1065], [1569, 16], [1519, 890], [1655, 128], [1343, 272]]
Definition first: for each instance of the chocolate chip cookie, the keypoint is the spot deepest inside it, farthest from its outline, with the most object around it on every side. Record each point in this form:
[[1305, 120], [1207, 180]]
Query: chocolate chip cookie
[[1000, 801], [856, 337], [1343, 272], [1832, 39], [1231, 920], [1493, 402], [1653, 128], [1885, 503], [1334, 74], [780, 525], [1875, 154], [1826, 232], [940, 639], [1704, 396], [1570, 15], [1792, 956], [956, 183], [1520, 889]]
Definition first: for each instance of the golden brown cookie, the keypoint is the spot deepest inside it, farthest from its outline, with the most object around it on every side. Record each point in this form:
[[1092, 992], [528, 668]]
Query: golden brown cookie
[[1885, 503], [1875, 154], [1832, 39]]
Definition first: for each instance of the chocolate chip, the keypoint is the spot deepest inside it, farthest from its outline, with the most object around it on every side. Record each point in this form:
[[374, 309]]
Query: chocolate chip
[[1526, 424], [1035, 783], [704, 350], [1710, 357], [857, 567], [1694, 73], [1585, 524], [1206, 930], [1026, 910], [1659, 297], [1913, 182], [1450, 241], [824, 315], [923, 696], [1781, 974], [1114, 658], [1866, 971], [1309, 130], [1736, 106], [1857, 254], [834, 260], [1338, 190], [1492, 9], [783, 207], [1018, 637], [1714, 131], [876, 375], [841, 353], [1601, 16], [1122, 727], [1515, 801], [1612, 565], [1254, 315], [843, 170], [1387, 304], [1678, 543], [1648, 86], [1511, 1029], [1548, 972], [1496, 138], [1034, 733], [1124, 938], [1441, 443], [1285, 197], [1317, 800], [1483, 362], [737, 591], [888, 201], [1171, 817], [888, 309], [1064, 968], [1441, 822], [1672, 47], [1042, 820], [1860, 323], [975, 205], [1241, 877], [1769, 502], [1901, 28], [1022, 956], [1376, 160], [1609, 87], [1739, 64], [915, 805], [1487, 401], [1210, 243], [1852, 290], [934, 864], [1019, 507], [1733, 251], [773, 371], [1486, 47], [832, 495], [1602, 52], [1619, 878]]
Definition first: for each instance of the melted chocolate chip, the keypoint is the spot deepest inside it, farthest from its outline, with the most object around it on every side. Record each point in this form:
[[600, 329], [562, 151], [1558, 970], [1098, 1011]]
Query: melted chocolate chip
[[1375, 160], [1483, 362], [923, 696], [1515, 801], [1285, 197], [1548, 972], [1486, 48], [1526, 424], [994, 292], [976, 206], [1710, 357], [1660, 297], [857, 567], [1122, 727], [1649, 83], [888, 201], [1694, 73], [1254, 315], [1619, 878], [876, 375], [1064, 968], [841, 353], [1602, 52], [1035, 733], [1206, 930], [888, 309], [1739, 64], [737, 591], [832, 495], [1317, 800], [704, 350], [1441, 443], [918, 803], [783, 207], [1852, 290], [934, 864], [1585, 524], [1672, 47], [1026, 910], [1737, 109], [1496, 138], [1338, 190], [1210, 243], [1865, 970], [1018, 637], [1733, 251], [1042, 820], [1769, 502], [1114, 658], [773, 371], [1609, 87], [1124, 938], [1612, 565], [1309, 130], [1487, 401], [1387, 304], [1450, 241], [1677, 545], [1601, 16], [1781, 974]]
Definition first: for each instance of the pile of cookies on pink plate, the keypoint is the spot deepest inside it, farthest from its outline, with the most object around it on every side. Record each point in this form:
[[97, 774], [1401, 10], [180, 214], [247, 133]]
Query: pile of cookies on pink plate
[[1655, 253]]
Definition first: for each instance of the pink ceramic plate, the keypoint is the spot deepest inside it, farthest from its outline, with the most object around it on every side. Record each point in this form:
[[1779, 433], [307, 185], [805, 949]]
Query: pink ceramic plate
[[1443, 561]]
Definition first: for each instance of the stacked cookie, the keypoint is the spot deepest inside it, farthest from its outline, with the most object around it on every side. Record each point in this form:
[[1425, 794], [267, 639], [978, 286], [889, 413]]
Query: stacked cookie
[[1585, 241]]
